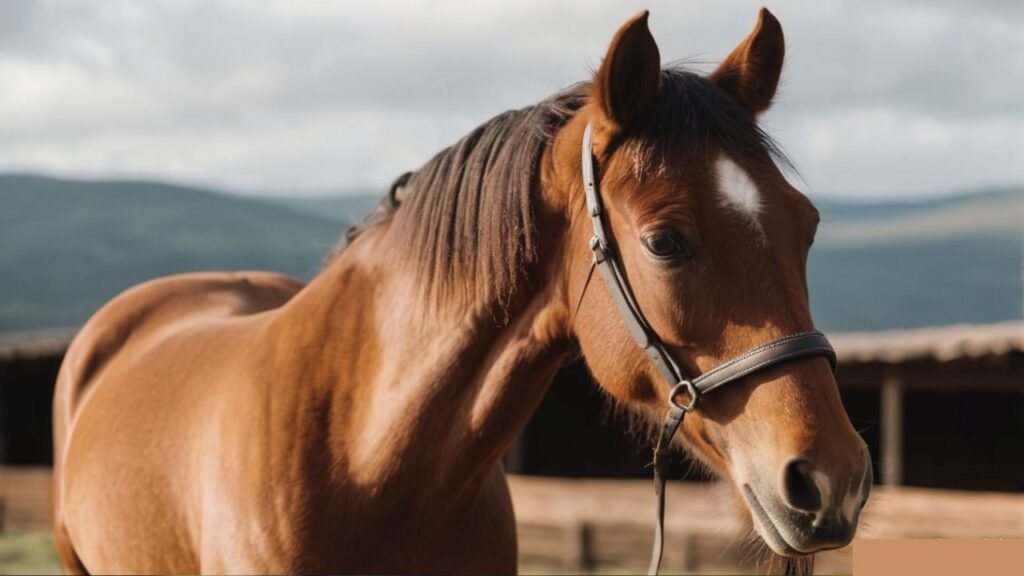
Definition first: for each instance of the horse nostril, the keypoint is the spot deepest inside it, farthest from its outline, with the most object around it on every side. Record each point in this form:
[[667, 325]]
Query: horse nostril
[[799, 489]]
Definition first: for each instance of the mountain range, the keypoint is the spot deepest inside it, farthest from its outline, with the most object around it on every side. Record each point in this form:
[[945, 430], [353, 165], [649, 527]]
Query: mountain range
[[67, 246]]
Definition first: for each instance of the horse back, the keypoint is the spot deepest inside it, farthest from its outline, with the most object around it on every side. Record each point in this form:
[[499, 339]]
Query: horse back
[[155, 308]]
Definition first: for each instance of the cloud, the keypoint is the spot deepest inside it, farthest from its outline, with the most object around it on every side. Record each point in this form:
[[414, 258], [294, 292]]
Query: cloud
[[880, 152], [907, 96]]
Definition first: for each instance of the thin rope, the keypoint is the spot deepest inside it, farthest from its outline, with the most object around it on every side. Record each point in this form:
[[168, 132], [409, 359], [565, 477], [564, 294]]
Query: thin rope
[[586, 284]]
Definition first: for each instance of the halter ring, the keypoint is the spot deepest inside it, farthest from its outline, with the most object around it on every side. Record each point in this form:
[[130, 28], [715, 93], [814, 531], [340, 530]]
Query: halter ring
[[690, 389]]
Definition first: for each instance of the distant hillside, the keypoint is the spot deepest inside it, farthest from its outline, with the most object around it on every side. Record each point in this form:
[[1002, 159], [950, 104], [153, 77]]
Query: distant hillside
[[993, 213], [351, 207], [66, 247], [69, 246], [909, 264]]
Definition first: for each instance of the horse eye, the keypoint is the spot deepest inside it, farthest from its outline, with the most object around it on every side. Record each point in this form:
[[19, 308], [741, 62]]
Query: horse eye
[[664, 245]]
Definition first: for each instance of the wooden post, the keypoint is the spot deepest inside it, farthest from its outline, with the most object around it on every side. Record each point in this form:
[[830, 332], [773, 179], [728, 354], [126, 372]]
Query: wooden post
[[579, 548], [679, 557], [891, 409]]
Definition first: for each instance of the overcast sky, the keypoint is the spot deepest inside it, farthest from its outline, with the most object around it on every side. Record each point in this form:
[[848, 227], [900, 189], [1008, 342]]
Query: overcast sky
[[879, 98]]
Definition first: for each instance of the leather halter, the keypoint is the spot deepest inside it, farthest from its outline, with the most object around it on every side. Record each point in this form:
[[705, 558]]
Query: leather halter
[[784, 349]]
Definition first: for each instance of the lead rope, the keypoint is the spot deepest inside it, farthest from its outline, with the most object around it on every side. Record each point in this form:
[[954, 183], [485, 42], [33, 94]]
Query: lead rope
[[662, 461], [583, 292]]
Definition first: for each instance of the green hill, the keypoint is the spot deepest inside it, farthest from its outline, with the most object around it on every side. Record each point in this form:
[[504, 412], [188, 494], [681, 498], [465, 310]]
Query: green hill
[[66, 247], [344, 209], [988, 214], [909, 264], [69, 246]]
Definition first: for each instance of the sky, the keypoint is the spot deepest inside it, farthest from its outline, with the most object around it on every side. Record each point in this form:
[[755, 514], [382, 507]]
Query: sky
[[879, 98]]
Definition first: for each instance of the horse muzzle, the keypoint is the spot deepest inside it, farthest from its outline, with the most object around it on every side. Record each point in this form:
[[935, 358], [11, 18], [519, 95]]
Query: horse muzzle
[[804, 512]]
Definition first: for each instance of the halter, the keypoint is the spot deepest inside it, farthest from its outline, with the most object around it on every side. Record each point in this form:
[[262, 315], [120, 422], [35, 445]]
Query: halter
[[784, 349]]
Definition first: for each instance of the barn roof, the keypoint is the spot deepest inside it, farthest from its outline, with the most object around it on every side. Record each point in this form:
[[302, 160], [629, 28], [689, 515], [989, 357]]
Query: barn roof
[[942, 344], [36, 344]]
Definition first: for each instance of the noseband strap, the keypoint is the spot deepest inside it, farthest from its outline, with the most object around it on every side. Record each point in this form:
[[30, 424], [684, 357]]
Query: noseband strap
[[784, 349]]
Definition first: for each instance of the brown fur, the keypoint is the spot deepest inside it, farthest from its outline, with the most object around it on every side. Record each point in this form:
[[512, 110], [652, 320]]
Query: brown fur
[[243, 423]]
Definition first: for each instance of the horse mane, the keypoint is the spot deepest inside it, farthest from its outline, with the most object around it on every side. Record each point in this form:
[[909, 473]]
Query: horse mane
[[466, 219]]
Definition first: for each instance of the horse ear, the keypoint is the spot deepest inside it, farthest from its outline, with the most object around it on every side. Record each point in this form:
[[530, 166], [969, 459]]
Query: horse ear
[[751, 73], [630, 74]]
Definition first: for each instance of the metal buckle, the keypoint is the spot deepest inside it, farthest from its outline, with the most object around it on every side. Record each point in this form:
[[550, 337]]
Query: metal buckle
[[598, 247], [690, 389]]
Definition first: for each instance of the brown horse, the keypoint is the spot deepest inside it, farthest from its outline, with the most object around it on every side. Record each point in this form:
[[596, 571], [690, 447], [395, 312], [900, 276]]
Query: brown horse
[[245, 423]]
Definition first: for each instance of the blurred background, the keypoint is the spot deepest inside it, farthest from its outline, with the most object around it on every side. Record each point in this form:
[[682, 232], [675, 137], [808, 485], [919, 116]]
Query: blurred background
[[145, 139]]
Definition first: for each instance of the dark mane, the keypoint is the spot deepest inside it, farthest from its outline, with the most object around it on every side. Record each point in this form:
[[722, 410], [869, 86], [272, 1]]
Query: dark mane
[[466, 218]]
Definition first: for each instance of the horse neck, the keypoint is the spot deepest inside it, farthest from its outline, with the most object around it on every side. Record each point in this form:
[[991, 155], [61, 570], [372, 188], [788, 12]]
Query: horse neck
[[411, 388]]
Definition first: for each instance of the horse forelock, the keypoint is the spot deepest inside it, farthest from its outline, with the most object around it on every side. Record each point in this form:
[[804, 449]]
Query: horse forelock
[[690, 113]]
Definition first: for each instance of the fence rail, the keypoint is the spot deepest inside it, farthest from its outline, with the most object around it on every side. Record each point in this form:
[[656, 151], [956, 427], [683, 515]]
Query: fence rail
[[583, 525], [588, 525]]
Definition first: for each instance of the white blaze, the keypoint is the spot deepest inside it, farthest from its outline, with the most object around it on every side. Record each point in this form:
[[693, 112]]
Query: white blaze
[[737, 189]]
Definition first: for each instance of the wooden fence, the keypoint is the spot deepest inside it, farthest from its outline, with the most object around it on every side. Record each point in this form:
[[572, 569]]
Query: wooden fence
[[584, 525]]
